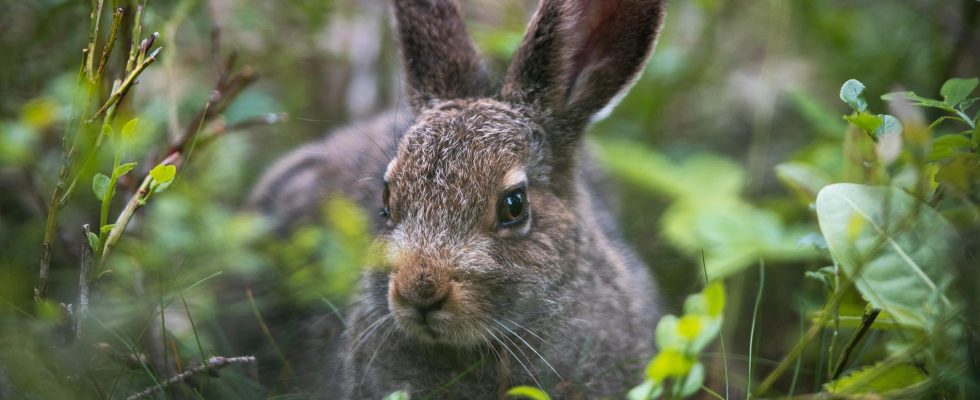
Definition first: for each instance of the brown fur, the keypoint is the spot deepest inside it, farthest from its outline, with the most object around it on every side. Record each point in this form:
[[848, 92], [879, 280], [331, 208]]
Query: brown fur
[[553, 302]]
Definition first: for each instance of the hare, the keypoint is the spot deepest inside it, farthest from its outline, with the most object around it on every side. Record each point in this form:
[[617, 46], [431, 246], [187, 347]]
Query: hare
[[501, 264]]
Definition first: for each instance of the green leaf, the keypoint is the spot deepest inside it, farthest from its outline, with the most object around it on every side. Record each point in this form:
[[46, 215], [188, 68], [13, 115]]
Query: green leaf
[[867, 122], [917, 100], [94, 242], [668, 363], [123, 169], [889, 126], [106, 228], [646, 391], [399, 395], [666, 333], [528, 392], [693, 381], [947, 145], [901, 247], [852, 93], [163, 173], [957, 89], [878, 379], [802, 178], [129, 130], [100, 186], [714, 298]]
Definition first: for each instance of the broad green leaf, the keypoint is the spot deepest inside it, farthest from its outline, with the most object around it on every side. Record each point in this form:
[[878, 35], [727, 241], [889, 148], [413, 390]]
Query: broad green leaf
[[899, 253], [693, 381], [399, 395], [690, 326], [877, 379], [802, 178], [106, 228], [852, 93], [100, 186], [866, 121], [889, 126], [123, 169], [129, 130], [714, 297], [163, 173], [528, 392], [947, 145], [957, 89]]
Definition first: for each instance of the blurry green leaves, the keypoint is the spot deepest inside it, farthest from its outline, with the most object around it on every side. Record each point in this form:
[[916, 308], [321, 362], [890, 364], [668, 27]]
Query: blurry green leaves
[[896, 248], [325, 260], [707, 212], [876, 126], [398, 395], [676, 368], [528, 392], [877, 379]]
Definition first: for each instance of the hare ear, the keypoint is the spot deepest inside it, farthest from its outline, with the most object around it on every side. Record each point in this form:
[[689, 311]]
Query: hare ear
[[439, 59], [578, 55]]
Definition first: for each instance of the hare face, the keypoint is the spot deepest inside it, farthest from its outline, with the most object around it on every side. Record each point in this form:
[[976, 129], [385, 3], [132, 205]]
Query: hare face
[[467, 213]]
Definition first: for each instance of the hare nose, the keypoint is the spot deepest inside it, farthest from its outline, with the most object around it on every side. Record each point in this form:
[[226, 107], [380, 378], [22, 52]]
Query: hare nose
[[424, 291]]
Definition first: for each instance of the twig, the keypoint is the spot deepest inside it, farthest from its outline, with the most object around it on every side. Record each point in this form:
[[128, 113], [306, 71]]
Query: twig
[[866, 321], [84, 278], [117, 94], [213, 364], [117, 15]]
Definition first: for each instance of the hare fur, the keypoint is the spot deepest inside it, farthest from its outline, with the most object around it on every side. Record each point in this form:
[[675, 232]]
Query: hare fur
[[501, 263]]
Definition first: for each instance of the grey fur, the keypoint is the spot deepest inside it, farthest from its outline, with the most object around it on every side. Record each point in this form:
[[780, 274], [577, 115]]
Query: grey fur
[[555, 302]]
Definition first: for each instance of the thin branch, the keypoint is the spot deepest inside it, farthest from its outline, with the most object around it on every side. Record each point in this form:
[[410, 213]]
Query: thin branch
[[84, 280], [117, 94], [213, 364], [866, 321], [117, 15]]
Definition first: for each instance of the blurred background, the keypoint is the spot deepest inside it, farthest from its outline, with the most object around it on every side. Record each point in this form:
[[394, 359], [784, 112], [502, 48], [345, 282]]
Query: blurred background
[[735, 89]]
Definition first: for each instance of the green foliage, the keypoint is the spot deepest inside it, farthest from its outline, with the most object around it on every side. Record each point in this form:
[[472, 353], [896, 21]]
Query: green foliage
[[877, 236], [676, 371], [707, 212], [885, 379]]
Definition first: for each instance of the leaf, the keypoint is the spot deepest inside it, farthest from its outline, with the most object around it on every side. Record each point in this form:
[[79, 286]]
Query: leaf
[[106, 228], [163, 173], [528, 392], [803, 178], [646, 391], [100, 186], [866, 121], [94, 242], [900, 249], [918, 100], [129, 130], [668, 363], [852, 93], [878, 378], [666, 333], [947, 145], [957, 89], [693, 381], [714, 298], [123, 169], [399, 395]]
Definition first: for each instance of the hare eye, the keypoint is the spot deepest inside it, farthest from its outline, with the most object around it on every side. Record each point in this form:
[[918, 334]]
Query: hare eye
[[512, 208], [385, 211]]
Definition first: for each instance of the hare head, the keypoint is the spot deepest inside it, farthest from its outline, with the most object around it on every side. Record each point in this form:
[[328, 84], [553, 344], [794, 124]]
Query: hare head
[[481, 206]]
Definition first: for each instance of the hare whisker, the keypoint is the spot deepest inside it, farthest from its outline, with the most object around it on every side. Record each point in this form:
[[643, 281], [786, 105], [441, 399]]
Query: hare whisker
[[519, 361], [530, 347]]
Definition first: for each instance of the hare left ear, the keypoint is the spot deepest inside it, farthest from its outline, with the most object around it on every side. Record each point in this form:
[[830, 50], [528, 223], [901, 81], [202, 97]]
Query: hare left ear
[[578, 55], [438, 56]]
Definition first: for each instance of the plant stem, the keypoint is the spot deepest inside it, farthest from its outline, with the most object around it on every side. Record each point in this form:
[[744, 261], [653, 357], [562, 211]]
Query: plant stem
[[755, 316], [212, 364], [866, 321], [84, 279]]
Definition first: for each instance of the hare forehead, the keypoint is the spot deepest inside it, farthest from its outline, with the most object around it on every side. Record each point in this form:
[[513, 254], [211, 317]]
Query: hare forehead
[[462, 143]]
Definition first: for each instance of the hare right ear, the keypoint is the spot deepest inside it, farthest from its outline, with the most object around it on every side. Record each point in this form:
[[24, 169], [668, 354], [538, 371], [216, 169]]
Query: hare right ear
[[438, 56], [578, 55]]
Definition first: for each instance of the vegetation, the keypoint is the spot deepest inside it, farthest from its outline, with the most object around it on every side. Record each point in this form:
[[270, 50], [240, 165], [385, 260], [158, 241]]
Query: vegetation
[[771, 160]]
